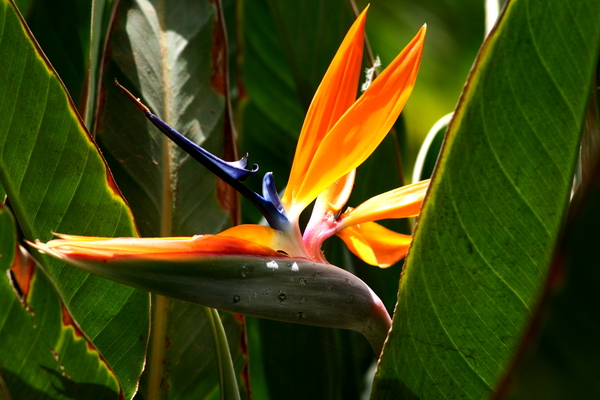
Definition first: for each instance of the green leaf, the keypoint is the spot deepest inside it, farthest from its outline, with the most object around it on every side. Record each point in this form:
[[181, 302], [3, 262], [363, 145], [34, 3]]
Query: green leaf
[[170, 55], [57, 182], [488, 228], [62, 28], [227, 378], [564, 360], [163, 55], [23, 6], [282, 356], [44, 355], [103, 12], [190, 352]]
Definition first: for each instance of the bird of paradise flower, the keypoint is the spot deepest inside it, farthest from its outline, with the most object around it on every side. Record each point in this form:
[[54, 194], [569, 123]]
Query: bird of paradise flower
[[226, 270]]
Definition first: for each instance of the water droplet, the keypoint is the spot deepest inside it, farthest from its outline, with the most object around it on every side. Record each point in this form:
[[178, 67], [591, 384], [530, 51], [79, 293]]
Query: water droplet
[[245, 271], [282, 298], [55, 355], [236, 299], [272, 264]]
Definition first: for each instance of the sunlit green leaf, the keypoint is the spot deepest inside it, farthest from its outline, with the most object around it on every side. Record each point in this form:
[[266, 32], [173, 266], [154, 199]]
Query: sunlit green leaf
[[43, 352], [488, 228], [57, 182]]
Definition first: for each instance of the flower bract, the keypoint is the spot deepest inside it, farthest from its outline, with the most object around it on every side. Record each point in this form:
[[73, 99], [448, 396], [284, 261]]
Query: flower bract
[[339, 133]]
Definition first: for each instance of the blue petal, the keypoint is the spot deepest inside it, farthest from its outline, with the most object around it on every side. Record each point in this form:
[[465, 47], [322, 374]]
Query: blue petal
[[234, 169], [270, 192], [232, 172]]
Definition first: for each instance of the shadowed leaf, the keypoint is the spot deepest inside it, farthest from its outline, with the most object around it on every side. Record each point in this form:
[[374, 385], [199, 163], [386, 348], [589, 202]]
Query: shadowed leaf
[[487, 231], [562, 356]]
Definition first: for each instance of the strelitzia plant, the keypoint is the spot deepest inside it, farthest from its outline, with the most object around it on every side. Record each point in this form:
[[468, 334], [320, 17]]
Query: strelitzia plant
[[485, 257], [227, 270]]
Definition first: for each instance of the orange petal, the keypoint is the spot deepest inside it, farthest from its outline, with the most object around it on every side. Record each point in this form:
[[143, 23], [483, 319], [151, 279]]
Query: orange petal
[[360, 130], [403, 202], [269, 237], [375, 244], [336, 93], [335, 196], [102, 249]]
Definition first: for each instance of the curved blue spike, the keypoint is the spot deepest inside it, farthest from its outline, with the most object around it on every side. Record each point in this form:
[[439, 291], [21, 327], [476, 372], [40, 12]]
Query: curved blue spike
[[242, 164], [234, 169], [270, 192], [232, 172]]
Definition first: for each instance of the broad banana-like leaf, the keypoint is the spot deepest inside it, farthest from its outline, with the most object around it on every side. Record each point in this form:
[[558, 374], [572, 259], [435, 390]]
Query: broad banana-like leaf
[[489, 225], [57, 182], [561, 357], [44, 353]]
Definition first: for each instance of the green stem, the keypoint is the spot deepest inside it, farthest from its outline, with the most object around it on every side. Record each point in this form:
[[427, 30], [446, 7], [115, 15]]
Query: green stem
[[157, 345], [227, 377]]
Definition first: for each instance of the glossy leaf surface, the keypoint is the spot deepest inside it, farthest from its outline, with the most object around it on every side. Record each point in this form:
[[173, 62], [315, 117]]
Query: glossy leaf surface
[[44, 355], [470, 287], [170, 55], [57, 181]]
